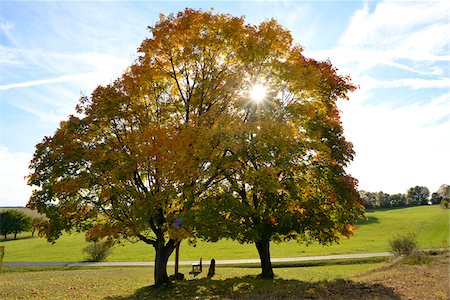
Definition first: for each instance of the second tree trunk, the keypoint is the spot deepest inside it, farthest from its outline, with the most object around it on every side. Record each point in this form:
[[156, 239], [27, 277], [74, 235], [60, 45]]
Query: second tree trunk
[[264, 256]]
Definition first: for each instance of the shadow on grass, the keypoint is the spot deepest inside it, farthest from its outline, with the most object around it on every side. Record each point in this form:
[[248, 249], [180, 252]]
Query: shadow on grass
[[16, 239], [370, 220], [250, 287], [312, 263]]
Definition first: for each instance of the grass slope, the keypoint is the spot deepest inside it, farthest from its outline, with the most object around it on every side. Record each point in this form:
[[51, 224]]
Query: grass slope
[[429, 223]]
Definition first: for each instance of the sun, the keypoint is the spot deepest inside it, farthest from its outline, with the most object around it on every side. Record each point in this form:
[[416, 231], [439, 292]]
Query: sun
[[258, 92]]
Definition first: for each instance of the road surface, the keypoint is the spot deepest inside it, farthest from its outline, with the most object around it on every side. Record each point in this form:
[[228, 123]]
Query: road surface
[[190, 262]]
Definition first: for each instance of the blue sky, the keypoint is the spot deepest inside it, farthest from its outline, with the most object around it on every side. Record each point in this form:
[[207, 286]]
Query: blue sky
[[396, 51]]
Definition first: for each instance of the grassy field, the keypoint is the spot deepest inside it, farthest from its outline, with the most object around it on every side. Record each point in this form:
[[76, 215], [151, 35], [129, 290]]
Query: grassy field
[[363, 280], [429, 223], [86, 283]]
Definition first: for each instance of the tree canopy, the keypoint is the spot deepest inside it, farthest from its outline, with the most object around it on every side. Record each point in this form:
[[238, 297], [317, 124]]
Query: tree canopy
[[444, 191], [178, 132], [417, 195], [284, 177], [13, 222]]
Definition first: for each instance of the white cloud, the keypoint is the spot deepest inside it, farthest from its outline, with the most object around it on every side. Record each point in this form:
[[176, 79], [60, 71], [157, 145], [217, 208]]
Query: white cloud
[[65, 78], [8, 57], [435, 70], [415, 83], [432, 39], [399, 148], [394, 30], [392, 21], [6, 26], [69, 64], [46, 115], [13, 188], [52, 99]]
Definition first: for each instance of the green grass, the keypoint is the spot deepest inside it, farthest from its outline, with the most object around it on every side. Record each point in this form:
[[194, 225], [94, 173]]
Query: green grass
[[429, 223], [73, 284], [83, 283], [342, 279]]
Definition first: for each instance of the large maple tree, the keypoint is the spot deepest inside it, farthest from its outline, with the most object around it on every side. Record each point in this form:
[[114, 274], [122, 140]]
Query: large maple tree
[[147, 153]]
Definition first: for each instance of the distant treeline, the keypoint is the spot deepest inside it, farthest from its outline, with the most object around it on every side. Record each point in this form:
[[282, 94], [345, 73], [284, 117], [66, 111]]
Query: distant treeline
[[415, 196], [14, 220]]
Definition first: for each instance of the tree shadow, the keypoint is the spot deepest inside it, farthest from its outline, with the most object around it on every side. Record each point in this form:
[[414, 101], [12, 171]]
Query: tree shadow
[[312, 263], [3, 240], [370, 220], [251, 287]]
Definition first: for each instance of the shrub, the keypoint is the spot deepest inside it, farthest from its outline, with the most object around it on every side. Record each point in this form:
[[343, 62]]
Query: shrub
[[417, 258], [445, 203], [98, 250], [403, 244]]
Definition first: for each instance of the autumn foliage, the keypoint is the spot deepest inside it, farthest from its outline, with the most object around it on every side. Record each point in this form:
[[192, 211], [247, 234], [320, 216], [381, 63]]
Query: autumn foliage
[[176, 148]]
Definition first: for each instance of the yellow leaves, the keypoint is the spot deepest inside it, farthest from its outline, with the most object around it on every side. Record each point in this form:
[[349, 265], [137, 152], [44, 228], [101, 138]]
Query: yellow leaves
[[178, 120], [66, 186], [104, 227], [277, 39], [72, 211], [295, 207], [178, 234]]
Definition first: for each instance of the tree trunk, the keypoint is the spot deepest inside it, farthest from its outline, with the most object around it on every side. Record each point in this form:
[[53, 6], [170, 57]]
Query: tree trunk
[[177, 259], [264, 256], [163, 253]]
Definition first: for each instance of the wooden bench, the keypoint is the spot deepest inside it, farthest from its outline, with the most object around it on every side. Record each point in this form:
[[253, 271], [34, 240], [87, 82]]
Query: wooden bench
[[196, 268]]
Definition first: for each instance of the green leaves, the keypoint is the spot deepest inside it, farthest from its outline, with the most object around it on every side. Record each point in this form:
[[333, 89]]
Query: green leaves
[[13, 222]]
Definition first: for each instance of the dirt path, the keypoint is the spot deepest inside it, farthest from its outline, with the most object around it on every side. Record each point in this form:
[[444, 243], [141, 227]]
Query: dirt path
[[218, 262]]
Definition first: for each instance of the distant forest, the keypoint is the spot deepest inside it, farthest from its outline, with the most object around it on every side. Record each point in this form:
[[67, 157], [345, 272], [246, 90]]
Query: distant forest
[[415, 196]]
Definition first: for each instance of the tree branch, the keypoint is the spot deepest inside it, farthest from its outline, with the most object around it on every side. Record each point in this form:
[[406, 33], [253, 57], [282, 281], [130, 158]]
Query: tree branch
[[147, 240]]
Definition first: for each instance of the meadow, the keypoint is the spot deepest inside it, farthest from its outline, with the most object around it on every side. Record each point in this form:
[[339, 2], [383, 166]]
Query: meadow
[[429, 223], [392, 279], [91, 284], [374, 278]]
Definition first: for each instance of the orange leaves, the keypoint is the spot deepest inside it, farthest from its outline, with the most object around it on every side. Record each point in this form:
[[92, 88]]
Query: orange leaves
[[350, 231], [106, 193], [272, 220], [98, 231], [68, 186], [351, 227], [178, 128]]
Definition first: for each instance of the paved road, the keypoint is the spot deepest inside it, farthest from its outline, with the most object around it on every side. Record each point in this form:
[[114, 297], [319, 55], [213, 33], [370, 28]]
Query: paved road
[[218, 262]]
